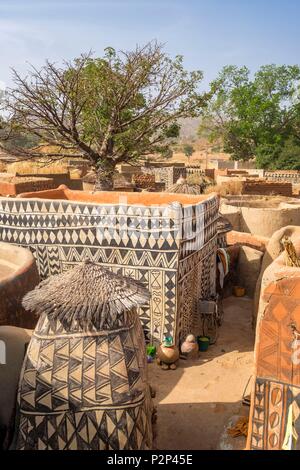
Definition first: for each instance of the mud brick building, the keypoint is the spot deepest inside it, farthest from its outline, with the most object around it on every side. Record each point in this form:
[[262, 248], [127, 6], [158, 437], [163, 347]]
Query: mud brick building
[[167, 174]]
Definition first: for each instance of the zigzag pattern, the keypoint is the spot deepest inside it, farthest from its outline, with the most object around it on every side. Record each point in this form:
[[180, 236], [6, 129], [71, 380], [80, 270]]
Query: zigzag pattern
[[91, 430], [85, 391], [118, 257]]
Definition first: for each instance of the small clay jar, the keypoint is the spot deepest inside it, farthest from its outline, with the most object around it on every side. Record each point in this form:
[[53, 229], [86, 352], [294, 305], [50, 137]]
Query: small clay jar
[[190, 347], [168, 355]]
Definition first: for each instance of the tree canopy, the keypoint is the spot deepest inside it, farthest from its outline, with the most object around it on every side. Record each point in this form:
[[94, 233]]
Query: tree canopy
[[118, 108], [256, 117]]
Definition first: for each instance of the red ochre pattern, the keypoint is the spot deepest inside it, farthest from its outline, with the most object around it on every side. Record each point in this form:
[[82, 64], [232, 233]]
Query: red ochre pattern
[[277, 382]]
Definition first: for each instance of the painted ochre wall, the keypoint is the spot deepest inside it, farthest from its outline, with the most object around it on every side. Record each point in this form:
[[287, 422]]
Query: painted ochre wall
[[276, 389]]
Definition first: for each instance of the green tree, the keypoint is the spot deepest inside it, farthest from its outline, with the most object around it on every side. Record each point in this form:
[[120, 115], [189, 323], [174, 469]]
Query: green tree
[[286, 157], [118, 108], [255, 117], [188, 150]]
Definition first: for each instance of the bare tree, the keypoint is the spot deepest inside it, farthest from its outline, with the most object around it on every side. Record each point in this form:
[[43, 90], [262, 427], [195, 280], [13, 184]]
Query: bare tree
[[109, 110]]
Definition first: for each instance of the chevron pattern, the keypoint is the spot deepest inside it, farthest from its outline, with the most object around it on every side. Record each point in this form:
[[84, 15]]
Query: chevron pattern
[[158, 245], [85, 390], [90, 430]]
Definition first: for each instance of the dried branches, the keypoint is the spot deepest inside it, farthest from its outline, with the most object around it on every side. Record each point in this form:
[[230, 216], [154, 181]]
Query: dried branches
[[108, 110]]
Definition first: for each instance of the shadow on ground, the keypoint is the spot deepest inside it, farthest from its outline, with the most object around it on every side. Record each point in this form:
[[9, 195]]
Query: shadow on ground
[[198, 426], [195, 401]]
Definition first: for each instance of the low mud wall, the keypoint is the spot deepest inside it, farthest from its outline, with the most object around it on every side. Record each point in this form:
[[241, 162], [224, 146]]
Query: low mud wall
[[17, 185]]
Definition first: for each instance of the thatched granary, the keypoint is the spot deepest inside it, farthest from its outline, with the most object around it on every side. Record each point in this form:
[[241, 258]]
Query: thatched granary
[[84, 382]]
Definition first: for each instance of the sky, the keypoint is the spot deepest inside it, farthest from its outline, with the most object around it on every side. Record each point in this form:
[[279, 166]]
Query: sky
[[208, 33]]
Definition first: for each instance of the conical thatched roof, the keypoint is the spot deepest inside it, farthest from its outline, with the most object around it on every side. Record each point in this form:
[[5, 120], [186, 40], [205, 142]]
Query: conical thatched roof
[[88, 295], [183, 187]]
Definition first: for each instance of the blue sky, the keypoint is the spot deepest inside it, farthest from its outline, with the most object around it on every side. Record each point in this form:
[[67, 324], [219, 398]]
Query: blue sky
[[208, 33]]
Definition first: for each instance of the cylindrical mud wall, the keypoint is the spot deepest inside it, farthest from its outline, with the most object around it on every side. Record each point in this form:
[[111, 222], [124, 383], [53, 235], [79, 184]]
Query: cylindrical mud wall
[[255, 217], [18, 275]]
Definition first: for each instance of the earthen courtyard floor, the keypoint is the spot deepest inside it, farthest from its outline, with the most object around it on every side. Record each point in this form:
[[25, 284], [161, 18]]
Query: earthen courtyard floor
[[196, 401]]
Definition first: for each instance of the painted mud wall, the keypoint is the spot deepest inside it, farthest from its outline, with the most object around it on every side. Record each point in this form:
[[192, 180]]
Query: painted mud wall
[[18, 275], [275, 401], [170, 249]]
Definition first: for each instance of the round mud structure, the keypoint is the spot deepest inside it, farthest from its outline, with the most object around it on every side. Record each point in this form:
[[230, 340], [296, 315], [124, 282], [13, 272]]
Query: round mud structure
[[261, 215]]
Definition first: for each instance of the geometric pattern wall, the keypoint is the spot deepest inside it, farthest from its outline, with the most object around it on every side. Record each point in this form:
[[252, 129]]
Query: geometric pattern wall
[[166, 174], [164, 247], [275, 402]]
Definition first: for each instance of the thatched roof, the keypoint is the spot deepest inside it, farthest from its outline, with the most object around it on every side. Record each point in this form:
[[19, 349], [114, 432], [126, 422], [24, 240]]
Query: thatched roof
[[88, 295], [183, 187]]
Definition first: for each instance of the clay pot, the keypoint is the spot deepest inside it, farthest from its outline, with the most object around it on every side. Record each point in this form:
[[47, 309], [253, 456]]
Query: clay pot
[[168, 355]]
